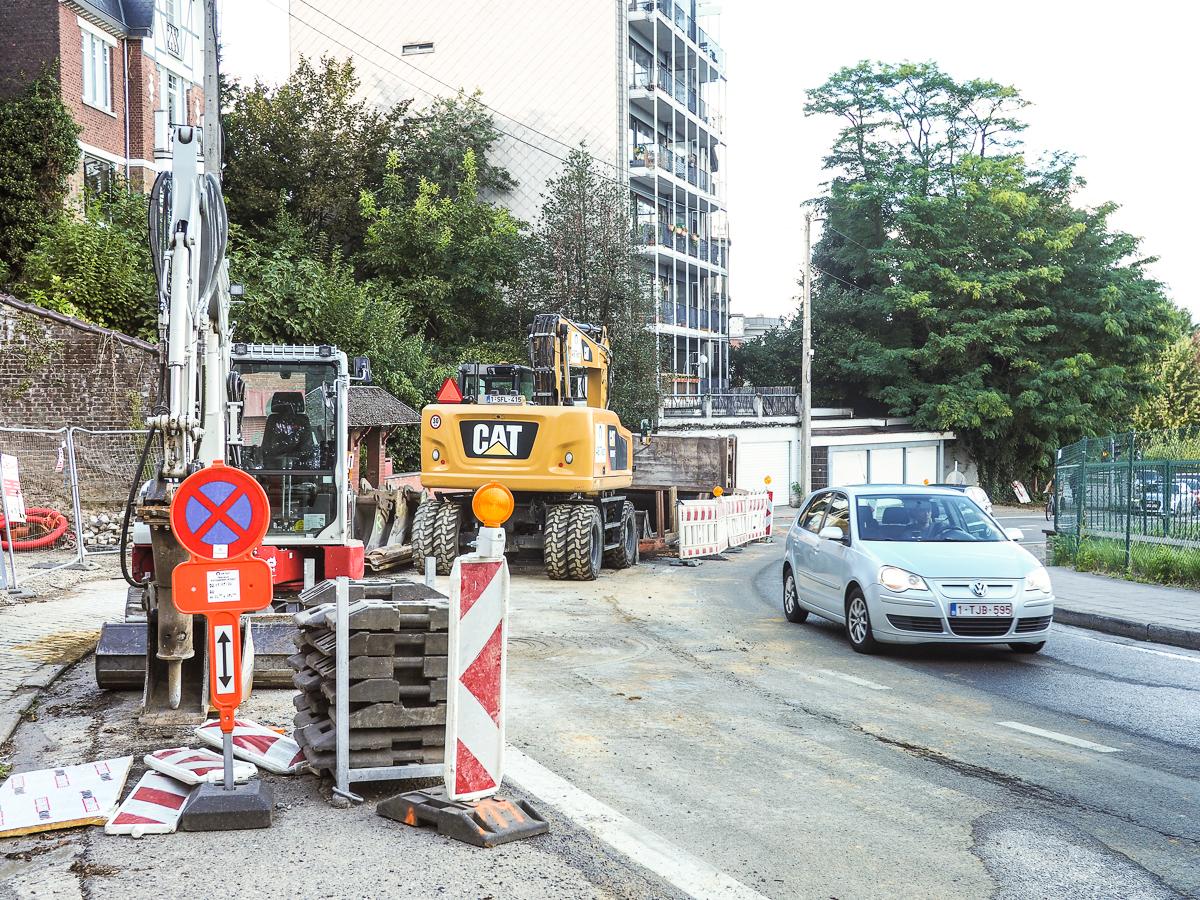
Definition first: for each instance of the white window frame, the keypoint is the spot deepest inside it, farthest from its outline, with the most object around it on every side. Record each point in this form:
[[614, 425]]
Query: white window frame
[[96, 67], [165, 77]]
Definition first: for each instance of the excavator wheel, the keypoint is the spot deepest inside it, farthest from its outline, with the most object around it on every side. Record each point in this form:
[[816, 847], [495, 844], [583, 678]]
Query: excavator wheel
[[573, 542], [445, 536], [626, 554], [424, 523]]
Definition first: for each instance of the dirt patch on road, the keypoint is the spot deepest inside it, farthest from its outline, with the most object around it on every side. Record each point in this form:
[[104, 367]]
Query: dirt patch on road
[[61, 646]]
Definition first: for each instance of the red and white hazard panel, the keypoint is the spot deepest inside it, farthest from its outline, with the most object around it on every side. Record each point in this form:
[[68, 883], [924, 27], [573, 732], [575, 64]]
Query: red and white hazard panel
[[475, 701], [154, 807], [255, 743], [197, 766]]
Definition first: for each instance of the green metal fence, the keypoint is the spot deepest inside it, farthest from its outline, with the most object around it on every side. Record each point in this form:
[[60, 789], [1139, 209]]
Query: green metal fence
[[1131, 503]]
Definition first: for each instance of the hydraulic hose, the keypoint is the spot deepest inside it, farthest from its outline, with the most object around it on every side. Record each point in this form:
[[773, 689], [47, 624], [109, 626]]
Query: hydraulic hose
[[134, 484]]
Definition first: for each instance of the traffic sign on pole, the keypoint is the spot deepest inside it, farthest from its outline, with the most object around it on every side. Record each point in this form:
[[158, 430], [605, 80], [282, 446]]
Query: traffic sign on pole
[[220, 513]]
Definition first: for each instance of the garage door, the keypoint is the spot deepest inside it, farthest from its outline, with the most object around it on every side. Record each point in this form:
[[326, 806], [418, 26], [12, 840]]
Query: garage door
[[922, 465], [887, 465], [757, 461], [847, 467]]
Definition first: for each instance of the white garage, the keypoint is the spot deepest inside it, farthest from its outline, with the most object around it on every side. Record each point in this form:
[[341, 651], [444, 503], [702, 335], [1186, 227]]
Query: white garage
[[758, 460]]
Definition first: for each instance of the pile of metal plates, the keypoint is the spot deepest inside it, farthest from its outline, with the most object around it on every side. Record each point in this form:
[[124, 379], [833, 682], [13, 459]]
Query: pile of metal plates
[[397, 674]]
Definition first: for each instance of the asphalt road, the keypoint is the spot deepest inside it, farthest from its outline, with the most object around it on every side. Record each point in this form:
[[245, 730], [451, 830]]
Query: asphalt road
[[682, 736], [1032, 524]]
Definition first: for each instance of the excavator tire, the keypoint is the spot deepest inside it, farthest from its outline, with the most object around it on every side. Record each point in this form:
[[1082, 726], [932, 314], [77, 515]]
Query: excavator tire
[[573, 546], [424, 524], [625, 555], [445, 536]]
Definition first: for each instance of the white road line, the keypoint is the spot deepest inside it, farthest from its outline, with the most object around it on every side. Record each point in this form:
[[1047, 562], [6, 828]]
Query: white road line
[[1077, 632], [1061, 738], [673, 864], [854, 679]]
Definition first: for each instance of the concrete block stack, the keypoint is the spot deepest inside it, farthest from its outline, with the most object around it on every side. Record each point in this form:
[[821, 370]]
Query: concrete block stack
[[397, 662]]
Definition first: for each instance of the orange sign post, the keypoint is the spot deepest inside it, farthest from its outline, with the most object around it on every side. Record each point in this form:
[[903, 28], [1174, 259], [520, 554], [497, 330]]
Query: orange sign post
[[220, 516]]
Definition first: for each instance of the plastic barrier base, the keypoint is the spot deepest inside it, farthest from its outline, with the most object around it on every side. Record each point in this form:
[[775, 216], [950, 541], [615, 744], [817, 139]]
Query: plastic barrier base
[[485, 823]]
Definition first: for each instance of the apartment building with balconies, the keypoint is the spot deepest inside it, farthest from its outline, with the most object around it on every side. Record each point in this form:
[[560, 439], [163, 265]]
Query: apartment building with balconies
[[639, 83]]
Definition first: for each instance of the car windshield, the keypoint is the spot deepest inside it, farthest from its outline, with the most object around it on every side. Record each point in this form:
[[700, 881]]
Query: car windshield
[[923, 517]]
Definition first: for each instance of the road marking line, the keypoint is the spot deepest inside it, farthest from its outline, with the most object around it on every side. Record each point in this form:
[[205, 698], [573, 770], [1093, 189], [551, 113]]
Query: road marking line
[[854, 679], [1061, 738], [1114, 643], [688, 873]]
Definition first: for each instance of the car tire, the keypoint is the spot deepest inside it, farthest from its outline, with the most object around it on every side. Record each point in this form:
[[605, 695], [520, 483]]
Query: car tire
[[792, 610], [858, 623], [1027, 648]]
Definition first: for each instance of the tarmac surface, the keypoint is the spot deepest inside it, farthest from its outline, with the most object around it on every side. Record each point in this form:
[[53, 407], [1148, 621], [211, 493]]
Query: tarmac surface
[[682, 737]]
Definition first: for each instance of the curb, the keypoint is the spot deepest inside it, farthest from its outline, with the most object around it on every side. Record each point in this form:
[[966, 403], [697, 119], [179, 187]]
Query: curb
[[1172, 635], [30, 689]]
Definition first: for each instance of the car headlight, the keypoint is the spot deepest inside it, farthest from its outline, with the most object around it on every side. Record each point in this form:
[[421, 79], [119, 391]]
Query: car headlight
[[895, 579], [1038, 580]]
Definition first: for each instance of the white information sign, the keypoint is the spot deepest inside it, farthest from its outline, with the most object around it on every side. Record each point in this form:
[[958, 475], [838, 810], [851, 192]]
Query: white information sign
[[14, 501], [224, 585], [222, 654]]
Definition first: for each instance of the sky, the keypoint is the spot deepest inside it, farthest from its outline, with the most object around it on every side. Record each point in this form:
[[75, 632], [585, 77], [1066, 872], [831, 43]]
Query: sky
[[1112, 83]]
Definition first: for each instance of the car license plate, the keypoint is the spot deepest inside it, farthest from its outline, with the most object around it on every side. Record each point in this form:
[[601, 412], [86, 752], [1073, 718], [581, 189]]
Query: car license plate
[[502, 398], [981, 609]]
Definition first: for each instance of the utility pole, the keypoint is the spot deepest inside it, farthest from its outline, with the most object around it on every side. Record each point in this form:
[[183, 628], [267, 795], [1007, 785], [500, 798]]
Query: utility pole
[[806, 366], [212, 100]]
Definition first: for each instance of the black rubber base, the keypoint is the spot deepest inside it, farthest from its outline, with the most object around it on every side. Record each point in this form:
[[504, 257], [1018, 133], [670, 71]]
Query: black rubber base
[[483, 823], [212, 808]]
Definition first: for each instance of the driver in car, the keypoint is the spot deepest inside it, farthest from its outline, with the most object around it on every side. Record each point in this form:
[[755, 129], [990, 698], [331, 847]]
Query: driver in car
[[921, 516]]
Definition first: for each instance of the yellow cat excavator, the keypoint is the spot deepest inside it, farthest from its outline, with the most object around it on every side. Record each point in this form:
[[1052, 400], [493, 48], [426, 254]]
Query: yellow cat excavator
[[545, 431]]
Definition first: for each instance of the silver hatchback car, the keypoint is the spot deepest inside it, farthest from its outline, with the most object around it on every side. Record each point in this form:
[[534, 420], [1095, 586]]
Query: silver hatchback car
[[909, 564]]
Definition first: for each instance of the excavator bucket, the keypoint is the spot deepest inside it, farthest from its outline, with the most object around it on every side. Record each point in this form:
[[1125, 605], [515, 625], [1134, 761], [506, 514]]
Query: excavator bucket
[[193, 679]]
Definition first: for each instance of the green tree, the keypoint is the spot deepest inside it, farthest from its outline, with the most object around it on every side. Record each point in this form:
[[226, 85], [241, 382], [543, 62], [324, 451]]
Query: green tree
[[38, 151], [432, 142], [582, 262], [770, 360], [957, 284], [300, 294], [1175, 376], [309, 146], [97, 266], [448, 258]]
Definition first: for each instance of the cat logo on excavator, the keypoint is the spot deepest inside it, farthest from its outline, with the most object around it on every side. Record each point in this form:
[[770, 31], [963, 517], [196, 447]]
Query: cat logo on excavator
[[498, 439]]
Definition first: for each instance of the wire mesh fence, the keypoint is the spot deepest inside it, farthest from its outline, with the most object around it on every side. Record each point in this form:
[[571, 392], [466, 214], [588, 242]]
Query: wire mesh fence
[[72, 484], [1130, 504]]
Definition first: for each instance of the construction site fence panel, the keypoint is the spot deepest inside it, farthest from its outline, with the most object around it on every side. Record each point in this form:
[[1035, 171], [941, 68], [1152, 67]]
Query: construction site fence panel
[[708, 527], [74, 483]]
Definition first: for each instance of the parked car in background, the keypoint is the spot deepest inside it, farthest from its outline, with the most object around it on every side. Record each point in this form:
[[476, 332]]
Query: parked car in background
[[975, 492], [1183, 499], [913, 564]]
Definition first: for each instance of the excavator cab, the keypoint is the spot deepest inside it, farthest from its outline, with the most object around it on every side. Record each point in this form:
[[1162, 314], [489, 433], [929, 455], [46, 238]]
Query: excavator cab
[[502, 383]]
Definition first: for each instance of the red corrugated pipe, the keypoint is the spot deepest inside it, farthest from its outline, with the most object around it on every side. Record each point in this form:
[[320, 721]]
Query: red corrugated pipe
[[53, 522]]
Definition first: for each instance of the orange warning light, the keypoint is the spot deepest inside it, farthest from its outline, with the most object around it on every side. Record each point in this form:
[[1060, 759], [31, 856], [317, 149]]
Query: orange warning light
[[718, 491], [492, 504], [767, 479]]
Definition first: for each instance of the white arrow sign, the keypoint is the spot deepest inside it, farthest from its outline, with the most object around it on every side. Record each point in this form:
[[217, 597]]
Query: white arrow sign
[[222, 654]]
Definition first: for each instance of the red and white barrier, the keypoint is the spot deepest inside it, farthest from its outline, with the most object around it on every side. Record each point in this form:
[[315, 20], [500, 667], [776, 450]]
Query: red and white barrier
[[262, 746], [196, 766], [477, 653], [708, 527], [154, 807]]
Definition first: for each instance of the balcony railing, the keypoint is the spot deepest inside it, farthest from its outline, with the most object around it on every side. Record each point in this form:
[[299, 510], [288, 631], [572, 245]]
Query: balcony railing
[[684, 22], [171, 36], [720, 400]]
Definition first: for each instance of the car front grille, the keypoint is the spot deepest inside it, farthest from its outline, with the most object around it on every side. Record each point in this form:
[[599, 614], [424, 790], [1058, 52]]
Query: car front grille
[[980, 626], [1024, 626], [961, 589], [927, 624]]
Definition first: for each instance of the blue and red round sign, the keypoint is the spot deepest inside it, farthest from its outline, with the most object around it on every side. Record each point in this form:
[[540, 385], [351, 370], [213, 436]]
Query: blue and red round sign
[[220, 513]]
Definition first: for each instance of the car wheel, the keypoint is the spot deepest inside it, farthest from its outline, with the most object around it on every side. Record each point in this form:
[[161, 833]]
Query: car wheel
[[1027, 648], [858, 623], [791, 600]]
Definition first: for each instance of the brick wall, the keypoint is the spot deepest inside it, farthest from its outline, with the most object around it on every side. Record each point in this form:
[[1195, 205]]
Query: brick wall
[[57, 371], [100, 129], [28, 41], [145, 95], [820, 467]]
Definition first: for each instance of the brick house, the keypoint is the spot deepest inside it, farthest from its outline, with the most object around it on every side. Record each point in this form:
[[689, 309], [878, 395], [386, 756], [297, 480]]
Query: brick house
[[117, 61]]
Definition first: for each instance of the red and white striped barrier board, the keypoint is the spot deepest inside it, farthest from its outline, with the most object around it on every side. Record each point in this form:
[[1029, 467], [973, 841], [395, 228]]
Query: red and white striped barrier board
[[770, 513], [758, 512], [197, 766], [154, 807], [700, 529], [475, 699], [62, 797], [252, 742]]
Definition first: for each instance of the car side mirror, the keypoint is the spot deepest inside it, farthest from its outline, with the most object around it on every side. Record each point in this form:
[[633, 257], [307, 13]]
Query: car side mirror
[[1014, 534], [362, 370], [832, 533]]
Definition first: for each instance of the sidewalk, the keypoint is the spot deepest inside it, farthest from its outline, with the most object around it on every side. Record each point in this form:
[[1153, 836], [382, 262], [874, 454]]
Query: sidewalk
[[40, 638], [1147, 612]]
